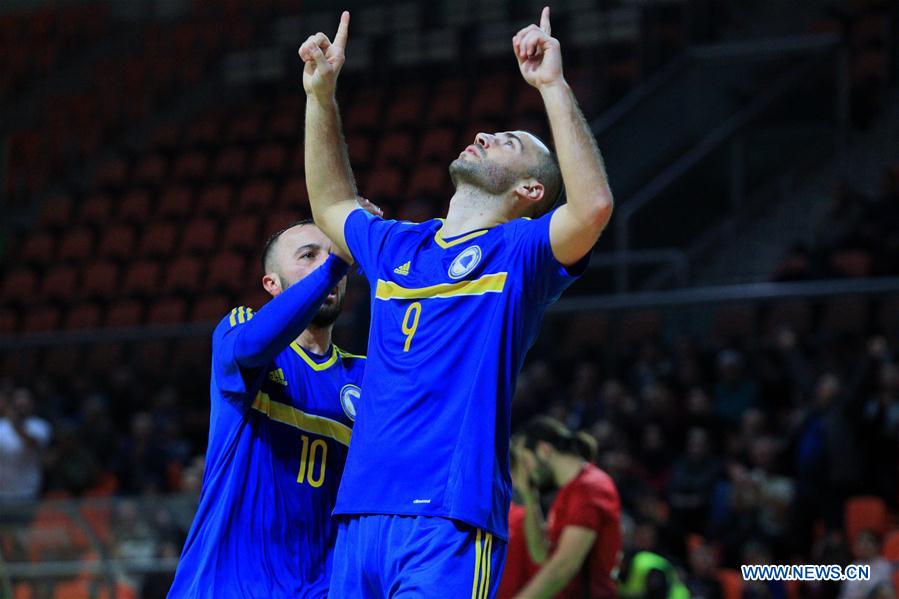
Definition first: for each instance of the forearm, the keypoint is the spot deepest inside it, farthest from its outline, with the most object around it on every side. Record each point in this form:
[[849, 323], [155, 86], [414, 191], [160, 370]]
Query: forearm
[[552, 578], [534, 526], [284, 317], [329, 178], [583, 171]]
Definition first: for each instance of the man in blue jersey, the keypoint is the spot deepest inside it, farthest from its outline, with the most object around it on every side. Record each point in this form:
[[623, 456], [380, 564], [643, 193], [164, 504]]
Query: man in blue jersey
[[283, 403], [456, 304]]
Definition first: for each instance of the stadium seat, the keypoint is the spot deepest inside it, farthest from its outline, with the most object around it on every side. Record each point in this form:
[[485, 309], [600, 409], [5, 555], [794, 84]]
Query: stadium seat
[[242, 234], [277, 221], [56, 212], [440, 144], [175, 202], [83, 316], [95, 210], [141, 278], [19, 285], [191, 166], [158, 240], [76, 245], [226, 272], [383, 183], [124, 314], [284, 126], [38, 248], [216, 201], [428, 179], [359, 148], [407, 108], [135, 207], [269, 160], [490, 101], [117, 243], [244, 128], [59, 283], [365, 112], [256, 196], [396, 148], [204, 131], [40, 319], [447, 103], [210, 308], [231, 163], [112, 173], [294, 194], [199, 236], [99, 281], [165, 137], [183, 275], [151, 170], [8, 321], [864, 512], [167, 311]]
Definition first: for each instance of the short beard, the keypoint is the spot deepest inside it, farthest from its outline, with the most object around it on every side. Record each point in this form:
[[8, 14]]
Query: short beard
[[484, 175], [327, 314]]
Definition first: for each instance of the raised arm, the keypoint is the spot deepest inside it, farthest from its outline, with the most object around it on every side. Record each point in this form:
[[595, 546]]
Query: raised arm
[[577, 225], [329, 178]]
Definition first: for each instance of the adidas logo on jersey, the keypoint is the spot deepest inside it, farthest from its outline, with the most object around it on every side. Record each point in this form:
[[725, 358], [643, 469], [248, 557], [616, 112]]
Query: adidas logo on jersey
[[277, 376], [403, 269]]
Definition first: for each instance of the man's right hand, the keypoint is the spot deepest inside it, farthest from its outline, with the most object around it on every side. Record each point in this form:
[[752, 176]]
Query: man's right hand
[[323, 60]]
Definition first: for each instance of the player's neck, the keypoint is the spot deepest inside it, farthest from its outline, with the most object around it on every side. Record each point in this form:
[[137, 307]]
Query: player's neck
[[471, 209], [566, 469], [315, 339]]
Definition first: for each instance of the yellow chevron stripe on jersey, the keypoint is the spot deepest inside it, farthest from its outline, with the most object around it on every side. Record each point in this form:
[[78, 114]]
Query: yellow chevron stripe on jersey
[[318, 425], [312, 363], [438, 238], [494, 283]]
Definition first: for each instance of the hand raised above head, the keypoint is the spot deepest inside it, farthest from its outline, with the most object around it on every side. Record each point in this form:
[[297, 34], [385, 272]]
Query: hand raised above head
[[323, 59], [539, 54]]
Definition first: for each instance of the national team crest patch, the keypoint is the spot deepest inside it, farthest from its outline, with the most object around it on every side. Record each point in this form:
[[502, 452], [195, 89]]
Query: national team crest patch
[[349, 395], [465, 262]]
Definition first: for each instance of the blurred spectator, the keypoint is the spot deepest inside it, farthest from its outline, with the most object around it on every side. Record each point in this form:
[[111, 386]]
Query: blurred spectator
[[71, 466], [867, 552], [24, 438], [141, 461], [702, 580], [735, 392], [692, 482]]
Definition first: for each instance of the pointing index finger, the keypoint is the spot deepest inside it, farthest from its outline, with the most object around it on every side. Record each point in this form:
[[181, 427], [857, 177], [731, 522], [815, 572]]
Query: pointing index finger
[[342, 30], [544, 21]]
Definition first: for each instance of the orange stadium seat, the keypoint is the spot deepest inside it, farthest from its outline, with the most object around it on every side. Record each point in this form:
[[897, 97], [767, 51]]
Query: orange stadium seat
[[76, 245], [59, 283], [731, 583], [216, 200], [447, 103], [151, 169], [365, 112], [167, 311], [383, 183], [491, 100], [19, 285], [56, 212], [124, 314], [269, 160], [41, 319], [95, 210], [38, 248], [135, 207], [210, 308], [191, 166], [183, 274], [141, 278], [231, 163], [117, 243], [359, 148], [407, 108], [864, 512], [245, 128], [158, 240], [226, 272], [284, 126], [256, 195], [166, 137], [203, 131], [242, 234], [83, 316], [527, 102], [276, 221], [99, 280], [440, 144], [199, 236], [175, 202]]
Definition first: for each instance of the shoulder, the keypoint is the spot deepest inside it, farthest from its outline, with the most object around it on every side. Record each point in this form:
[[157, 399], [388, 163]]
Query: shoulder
[[236, 317], [349, 357]]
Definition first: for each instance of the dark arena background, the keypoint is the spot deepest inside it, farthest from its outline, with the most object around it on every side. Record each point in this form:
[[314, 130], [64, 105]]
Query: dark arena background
[[733, 348]]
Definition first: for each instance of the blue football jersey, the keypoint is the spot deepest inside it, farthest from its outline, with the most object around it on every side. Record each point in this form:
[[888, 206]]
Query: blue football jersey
[[451, 323], [278, 440]]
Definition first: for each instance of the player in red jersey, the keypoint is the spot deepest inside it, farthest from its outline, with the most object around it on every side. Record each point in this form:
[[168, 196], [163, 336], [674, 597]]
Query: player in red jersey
[[581, 548]]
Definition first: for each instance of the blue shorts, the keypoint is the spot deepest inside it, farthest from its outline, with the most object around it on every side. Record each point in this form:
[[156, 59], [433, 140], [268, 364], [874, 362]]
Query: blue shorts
[[414, 557]]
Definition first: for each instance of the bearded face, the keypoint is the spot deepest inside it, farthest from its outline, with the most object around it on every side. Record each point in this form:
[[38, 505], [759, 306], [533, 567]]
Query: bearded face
[[483, 174]]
